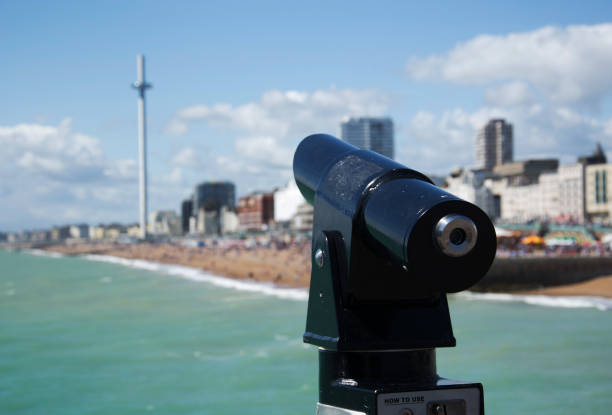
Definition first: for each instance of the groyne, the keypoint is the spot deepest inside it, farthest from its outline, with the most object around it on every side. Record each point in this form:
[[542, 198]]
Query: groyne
[[527, 273]]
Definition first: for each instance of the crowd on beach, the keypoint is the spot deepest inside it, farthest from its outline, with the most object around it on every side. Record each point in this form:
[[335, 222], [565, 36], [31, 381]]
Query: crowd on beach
[[283, 259]]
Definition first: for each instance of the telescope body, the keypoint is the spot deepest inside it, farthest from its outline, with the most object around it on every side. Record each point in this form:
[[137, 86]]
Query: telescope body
[[387, 246], [386, 210]]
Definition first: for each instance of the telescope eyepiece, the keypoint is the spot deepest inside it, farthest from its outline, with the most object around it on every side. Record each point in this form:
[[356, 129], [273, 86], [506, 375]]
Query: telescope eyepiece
[[455, 235]]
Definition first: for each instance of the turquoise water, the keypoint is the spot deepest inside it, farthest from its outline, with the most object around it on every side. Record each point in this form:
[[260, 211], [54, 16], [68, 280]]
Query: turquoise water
[[85, 337]]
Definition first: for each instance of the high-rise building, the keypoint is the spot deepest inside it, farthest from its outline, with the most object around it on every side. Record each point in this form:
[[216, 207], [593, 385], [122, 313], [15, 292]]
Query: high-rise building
[[186, 214], [374, 134], [214, 195], [212, 201], [494, 144]]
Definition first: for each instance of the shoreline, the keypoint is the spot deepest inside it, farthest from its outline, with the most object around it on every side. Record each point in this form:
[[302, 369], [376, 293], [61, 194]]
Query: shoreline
[[597, 287], [284, 268], [539, 298]]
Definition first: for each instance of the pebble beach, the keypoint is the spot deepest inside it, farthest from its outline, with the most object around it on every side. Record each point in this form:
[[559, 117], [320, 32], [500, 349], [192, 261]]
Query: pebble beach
[[287, 267]]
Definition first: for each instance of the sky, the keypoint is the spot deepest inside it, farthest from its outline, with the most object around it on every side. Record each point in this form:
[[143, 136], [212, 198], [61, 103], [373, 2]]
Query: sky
[[237, 85]]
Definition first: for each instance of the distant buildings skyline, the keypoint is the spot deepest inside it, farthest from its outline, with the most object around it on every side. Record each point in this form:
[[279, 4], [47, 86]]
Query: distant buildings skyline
[[376, 134], [535, 189], [508, 190]]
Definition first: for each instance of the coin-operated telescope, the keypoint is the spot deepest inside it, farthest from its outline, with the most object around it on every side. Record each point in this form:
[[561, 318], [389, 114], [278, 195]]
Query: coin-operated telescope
[[387, 245]]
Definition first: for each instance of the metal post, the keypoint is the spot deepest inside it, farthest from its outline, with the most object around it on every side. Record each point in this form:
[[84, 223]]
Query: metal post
[[141, 85]]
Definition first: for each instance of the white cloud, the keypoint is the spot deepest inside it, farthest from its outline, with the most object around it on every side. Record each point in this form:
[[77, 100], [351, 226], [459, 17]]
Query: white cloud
[[267, 151], [187, 157], [55, 151], [544, 82], [36, 163], [268, 130], [285, 113], [124, 169], [235, 167], [567, 65], [52, 175], [175, 177], [510, 94], [436, 143]]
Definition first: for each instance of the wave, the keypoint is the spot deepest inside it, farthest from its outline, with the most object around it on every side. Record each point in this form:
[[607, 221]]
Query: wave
[[599, 303], [194, 274], [42, 252], [301, 294]]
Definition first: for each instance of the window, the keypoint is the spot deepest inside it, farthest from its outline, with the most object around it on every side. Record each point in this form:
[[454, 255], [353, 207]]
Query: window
[[597, 195], [604, 187]]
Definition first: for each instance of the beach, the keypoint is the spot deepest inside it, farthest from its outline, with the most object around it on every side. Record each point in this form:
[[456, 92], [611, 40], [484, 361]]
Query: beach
[[598, 287], [288, 266]]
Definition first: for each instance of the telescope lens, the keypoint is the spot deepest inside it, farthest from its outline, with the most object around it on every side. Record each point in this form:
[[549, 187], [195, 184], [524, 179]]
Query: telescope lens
[[455, 235]]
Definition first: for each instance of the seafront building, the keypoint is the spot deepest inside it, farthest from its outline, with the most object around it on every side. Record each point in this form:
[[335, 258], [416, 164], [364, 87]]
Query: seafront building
[[539, 189], [186, 214], [60, 233], [598, 191], [303, 218], [79, 231], [164, 222], [214, 208], [214, 195], [256, 211], [469, 184], [374, 134], [494, 144], [536, 189], [286, 202]]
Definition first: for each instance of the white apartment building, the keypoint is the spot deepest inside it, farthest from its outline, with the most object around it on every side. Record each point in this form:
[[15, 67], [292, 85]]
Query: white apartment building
[[598, 191], [571, 192], [535, 201], [79, 231], [469, 186], [214, 222], [164, 222], [548, 195], [286, 202]]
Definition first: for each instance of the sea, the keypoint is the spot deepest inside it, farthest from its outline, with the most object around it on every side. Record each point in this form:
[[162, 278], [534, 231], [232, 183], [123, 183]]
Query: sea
[[101, 335]]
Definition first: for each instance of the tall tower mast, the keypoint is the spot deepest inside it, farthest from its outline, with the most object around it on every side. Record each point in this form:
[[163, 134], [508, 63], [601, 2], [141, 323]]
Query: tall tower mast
[[141, 85]]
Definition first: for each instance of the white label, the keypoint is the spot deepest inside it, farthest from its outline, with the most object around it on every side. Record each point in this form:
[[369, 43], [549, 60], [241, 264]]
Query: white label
[[419, 402]]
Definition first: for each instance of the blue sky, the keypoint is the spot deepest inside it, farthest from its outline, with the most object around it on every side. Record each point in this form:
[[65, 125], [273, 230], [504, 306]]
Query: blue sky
[[238, 84]]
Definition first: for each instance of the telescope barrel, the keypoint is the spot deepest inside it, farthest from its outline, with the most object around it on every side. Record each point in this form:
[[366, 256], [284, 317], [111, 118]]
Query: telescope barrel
[[437, 237], [312, 157], [445, 242]]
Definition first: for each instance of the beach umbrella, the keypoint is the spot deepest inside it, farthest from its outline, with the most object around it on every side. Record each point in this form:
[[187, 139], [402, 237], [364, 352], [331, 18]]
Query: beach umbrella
[[607, 238], [563, 241], [532, 240], [503, 233]]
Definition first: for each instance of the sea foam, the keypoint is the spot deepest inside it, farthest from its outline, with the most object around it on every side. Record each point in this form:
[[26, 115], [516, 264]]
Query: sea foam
[[42, 252], [194, 274], [301, 294], [599, 303]]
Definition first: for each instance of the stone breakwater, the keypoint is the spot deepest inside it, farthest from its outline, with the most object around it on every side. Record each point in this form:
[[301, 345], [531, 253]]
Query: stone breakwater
[[529, 273]]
